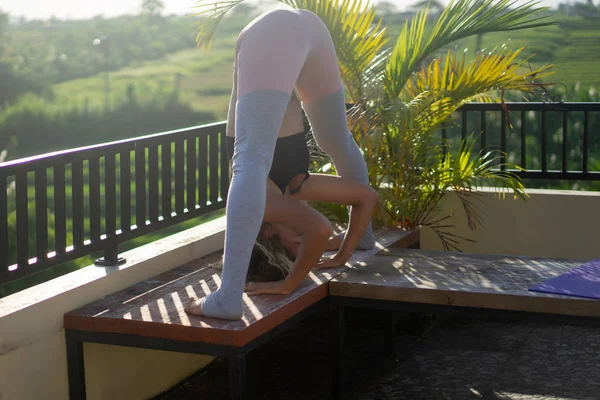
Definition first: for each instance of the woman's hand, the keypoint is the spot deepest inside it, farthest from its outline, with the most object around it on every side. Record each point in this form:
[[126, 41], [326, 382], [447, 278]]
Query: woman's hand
[[276, 287], [338, 260]]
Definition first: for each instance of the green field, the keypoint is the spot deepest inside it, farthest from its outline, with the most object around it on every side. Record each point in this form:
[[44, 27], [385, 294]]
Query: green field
[[572, 46], [205, 80]]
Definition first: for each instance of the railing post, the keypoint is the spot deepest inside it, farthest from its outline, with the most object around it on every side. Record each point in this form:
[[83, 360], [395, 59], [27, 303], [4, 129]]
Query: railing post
[[111, 255], [444, 139], [3, 228], [504, 116], [111, 250]]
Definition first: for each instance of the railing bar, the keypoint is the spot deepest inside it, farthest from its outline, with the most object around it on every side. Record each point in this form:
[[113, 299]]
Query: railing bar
[[110, 194], [41, 215], [54, 261], [77, 203], [523, 141], [140, 187], [564, 142], [558, 175], [153, 198], [166, 180], [203, 170], [504, 116], [544, 147], [174, 220], [191, 173], [22, 220], [87, 152], [94, 185], [179, 176], [483, 129], [60, 204], [585, 141], [463, 130], [3, 228], [224, 166], [444, 134], [214, 167], [533, 106], [125, 170]]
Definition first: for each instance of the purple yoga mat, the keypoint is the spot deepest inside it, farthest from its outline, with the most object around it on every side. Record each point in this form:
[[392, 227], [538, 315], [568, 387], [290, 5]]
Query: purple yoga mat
[[582, 281]]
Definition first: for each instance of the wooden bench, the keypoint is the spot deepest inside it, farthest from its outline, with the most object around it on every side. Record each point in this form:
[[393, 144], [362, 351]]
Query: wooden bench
[[495, 286], [150, 315]]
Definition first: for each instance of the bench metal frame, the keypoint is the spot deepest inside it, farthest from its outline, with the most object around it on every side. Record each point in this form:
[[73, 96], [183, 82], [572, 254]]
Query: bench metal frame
[[236, 355]]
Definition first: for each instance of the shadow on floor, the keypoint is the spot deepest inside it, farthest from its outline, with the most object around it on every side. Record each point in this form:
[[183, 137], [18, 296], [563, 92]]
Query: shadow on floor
[[445, 359]]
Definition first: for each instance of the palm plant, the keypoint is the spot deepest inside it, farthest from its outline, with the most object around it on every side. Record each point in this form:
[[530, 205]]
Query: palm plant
[[403, 93]]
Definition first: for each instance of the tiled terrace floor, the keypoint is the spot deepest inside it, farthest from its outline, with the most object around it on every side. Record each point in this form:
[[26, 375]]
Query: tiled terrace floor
[[451, 359]]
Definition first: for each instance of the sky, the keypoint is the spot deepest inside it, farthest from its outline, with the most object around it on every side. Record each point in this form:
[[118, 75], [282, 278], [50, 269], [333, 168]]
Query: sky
[[43, 9]]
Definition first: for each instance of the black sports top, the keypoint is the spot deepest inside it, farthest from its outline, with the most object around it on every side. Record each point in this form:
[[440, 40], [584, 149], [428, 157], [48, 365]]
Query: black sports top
[[291, 158]]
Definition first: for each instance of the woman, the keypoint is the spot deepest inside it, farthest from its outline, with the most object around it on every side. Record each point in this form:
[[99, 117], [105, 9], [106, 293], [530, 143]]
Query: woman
[[280, 52], [277, 242], [294, 158]]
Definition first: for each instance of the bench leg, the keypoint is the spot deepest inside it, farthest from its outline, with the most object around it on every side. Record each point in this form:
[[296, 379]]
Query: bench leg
[[390, 333], [75, 367], [339, 334], [237, 376]]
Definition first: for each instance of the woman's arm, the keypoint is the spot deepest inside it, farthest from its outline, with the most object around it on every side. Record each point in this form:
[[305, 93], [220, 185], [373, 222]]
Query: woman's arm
[[316, 230], [335, 189], [335, 242]]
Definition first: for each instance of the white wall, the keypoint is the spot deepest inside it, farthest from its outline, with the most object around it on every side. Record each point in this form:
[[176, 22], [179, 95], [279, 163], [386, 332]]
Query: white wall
[[552, 223], [32, 344]]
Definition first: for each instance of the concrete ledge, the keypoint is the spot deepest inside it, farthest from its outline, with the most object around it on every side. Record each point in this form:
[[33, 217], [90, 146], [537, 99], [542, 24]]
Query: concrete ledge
[[32, 347], [551, 223]]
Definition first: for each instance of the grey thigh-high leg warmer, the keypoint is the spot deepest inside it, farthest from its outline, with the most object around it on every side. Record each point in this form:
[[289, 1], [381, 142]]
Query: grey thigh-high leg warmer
[[327, 117], [261, 113]]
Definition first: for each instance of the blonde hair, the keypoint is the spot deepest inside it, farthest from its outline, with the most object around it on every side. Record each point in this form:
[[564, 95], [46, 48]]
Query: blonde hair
[[270, 260]]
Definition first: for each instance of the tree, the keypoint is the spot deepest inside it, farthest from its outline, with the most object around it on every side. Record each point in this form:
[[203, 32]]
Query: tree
[[3, 33], [152, 7], [585, 9], [435, 7], [385, 8]]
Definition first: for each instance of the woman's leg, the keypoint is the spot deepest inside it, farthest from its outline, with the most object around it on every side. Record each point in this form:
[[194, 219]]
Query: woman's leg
[[277, 51], [327, 114], [272, 52]]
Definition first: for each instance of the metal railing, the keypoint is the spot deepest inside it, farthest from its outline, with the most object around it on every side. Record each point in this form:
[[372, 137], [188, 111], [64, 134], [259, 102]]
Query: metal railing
[[546, 140], [58, 207]]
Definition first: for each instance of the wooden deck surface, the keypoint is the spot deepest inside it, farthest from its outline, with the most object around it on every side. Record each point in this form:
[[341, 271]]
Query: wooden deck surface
[[154, 307], [462, 279]]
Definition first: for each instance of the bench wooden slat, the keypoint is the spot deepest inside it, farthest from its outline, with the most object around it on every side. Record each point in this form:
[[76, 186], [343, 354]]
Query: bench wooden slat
[[154, 307], [461, 279]]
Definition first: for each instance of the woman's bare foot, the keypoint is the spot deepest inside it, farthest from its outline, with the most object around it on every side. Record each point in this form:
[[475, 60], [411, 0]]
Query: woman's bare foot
[[194, 306]]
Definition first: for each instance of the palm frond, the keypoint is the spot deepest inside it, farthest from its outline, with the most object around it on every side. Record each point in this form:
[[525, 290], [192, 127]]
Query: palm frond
[[494, 71], [460, 19], [211, 13]]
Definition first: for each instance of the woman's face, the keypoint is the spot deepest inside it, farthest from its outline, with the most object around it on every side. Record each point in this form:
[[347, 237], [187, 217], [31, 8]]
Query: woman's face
[[289, 238]]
